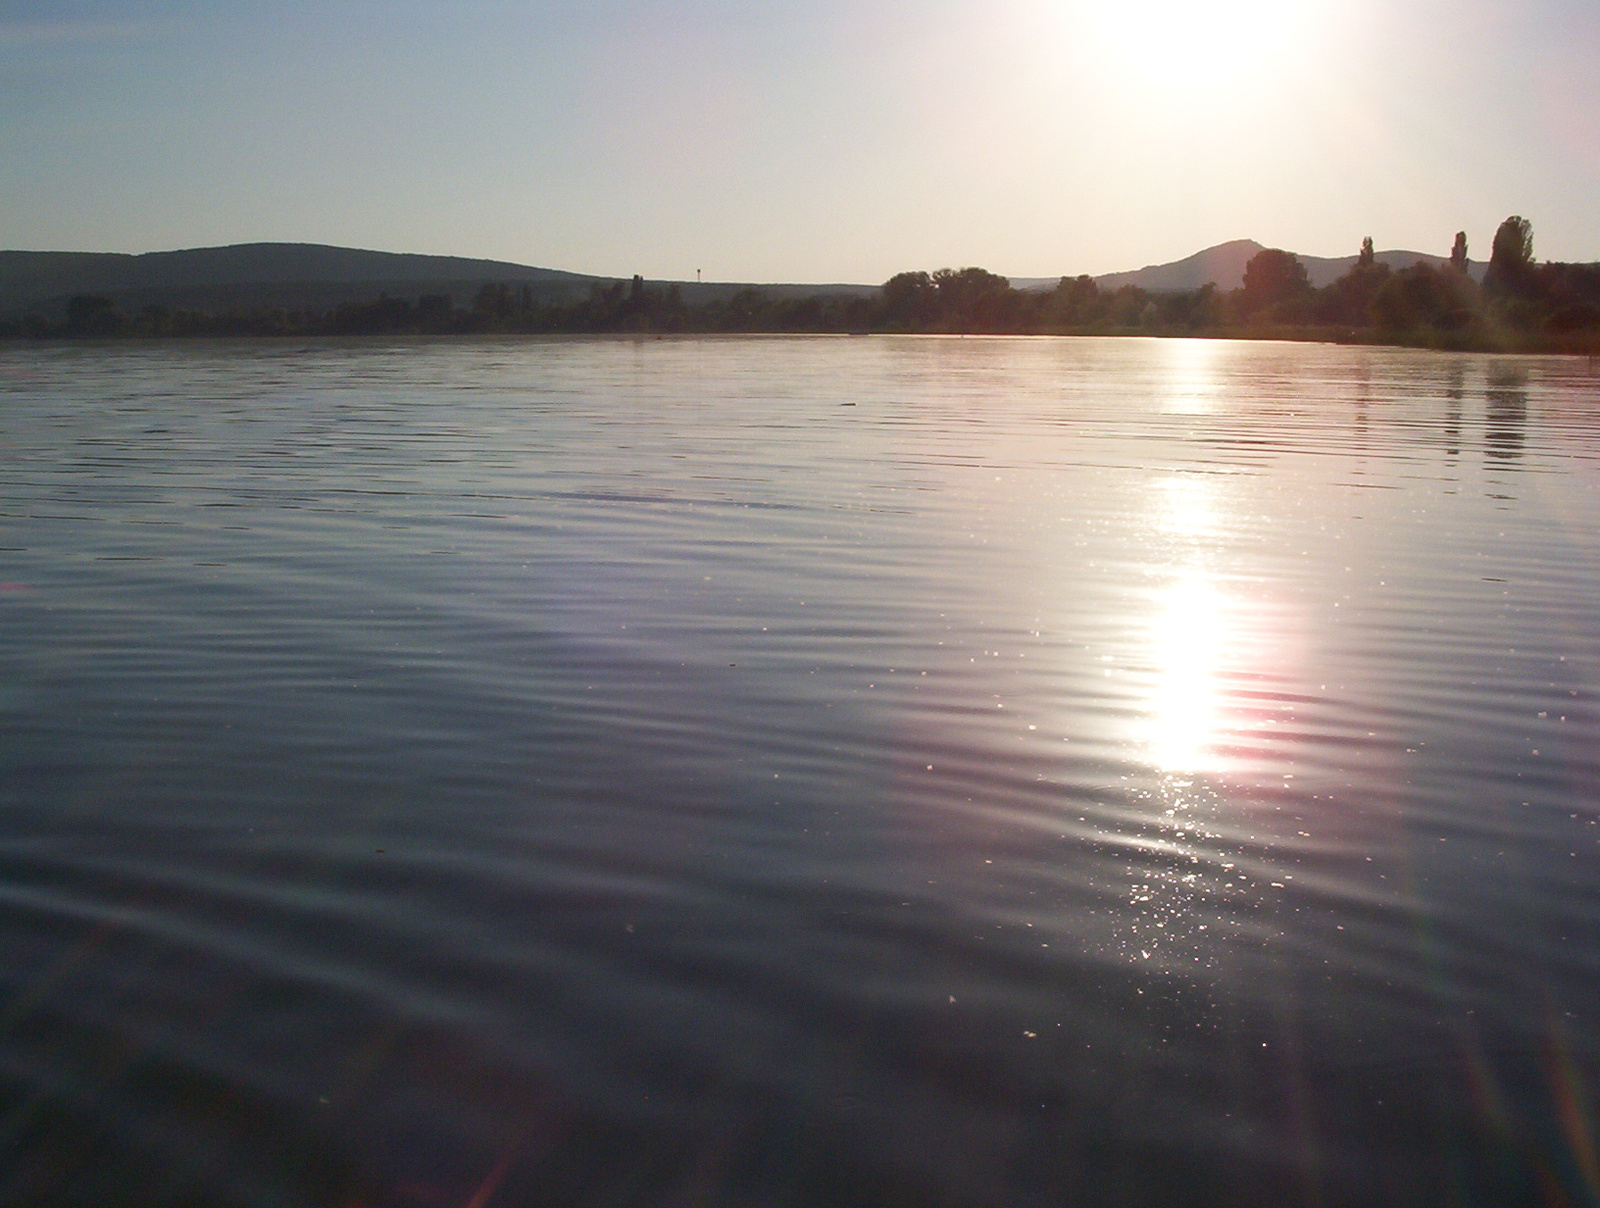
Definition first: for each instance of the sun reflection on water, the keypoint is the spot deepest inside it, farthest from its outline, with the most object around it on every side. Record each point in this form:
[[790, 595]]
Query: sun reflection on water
[[1188, 635], [1193, 383], [1213, 647]]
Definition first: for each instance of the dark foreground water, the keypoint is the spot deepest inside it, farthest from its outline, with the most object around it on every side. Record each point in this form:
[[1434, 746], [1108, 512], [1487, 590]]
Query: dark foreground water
[[790, 772]]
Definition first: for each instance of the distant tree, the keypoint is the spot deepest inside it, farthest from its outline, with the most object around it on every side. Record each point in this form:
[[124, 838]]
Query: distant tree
[[743, 311], [1367, 256], [154, 320], [375, 315], [910, 297], [1570, 294], [1513, 242], [968, 294], [494, 298], [1458, 252], [92, 315], [1424, 299], [1348, 300], [1202, 307], [1576, 316], [1511, 258], [435, 312], [952, 299], [1073, 302], [1273, 277], [1125, 306]]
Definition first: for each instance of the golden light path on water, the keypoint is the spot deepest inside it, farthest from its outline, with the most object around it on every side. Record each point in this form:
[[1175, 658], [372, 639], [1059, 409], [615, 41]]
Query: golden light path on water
[[1216, 643], [1224, 645], [1221, 642], [1188, 635], [1189, 629]]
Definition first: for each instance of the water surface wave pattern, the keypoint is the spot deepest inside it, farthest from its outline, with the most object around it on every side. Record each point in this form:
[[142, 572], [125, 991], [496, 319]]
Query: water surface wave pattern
[[798, 771]]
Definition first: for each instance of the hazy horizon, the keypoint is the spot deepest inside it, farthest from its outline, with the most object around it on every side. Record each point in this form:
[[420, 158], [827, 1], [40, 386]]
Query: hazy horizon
[[831, 143], [1321, 269]]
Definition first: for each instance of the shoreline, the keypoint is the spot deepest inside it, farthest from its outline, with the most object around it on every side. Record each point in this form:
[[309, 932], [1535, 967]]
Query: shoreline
[[1511, 343]]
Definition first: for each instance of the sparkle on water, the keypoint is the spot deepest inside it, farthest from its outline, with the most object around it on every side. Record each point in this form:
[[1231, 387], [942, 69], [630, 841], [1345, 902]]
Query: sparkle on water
[[620, 772]]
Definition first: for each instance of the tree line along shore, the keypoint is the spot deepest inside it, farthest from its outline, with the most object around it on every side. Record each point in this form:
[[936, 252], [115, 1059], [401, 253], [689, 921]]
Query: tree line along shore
[[1521, 305]]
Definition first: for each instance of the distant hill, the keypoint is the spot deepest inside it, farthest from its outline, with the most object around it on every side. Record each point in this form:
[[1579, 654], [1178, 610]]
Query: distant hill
[[1223, 266], [293, 275], [1326, 270], [319, 277], [257, 274]]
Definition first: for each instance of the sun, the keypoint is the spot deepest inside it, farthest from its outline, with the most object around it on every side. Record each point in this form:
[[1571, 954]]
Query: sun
[[1211, 42]]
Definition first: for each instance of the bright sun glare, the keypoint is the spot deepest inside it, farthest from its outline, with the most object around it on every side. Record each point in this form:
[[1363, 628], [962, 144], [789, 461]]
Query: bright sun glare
[[1189, 629], [1220, 652], [1192, 41], [1188, 634]]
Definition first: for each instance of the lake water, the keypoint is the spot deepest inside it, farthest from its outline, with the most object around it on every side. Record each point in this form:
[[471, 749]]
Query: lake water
[[873, 771]]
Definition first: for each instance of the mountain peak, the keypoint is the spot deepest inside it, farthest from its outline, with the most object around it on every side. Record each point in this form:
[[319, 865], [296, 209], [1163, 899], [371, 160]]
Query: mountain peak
[[1223, 266]]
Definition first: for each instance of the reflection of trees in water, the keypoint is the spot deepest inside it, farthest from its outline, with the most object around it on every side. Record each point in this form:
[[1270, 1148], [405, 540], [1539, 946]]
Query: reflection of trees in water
[[1363, 399], [1454, 391], [1505, 420]]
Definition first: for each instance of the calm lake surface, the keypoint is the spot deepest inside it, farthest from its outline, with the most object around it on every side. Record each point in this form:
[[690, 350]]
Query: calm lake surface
[[869, 771]]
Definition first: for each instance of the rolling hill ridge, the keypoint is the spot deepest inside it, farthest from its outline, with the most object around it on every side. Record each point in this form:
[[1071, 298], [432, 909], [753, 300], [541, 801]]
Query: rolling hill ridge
[[320, 276]]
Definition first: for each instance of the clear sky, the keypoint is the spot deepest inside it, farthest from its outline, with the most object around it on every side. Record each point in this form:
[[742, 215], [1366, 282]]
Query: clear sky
[[830, 140]]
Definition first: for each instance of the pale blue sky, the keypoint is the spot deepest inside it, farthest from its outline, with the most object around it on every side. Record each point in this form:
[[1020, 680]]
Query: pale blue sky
[[818, 141]]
